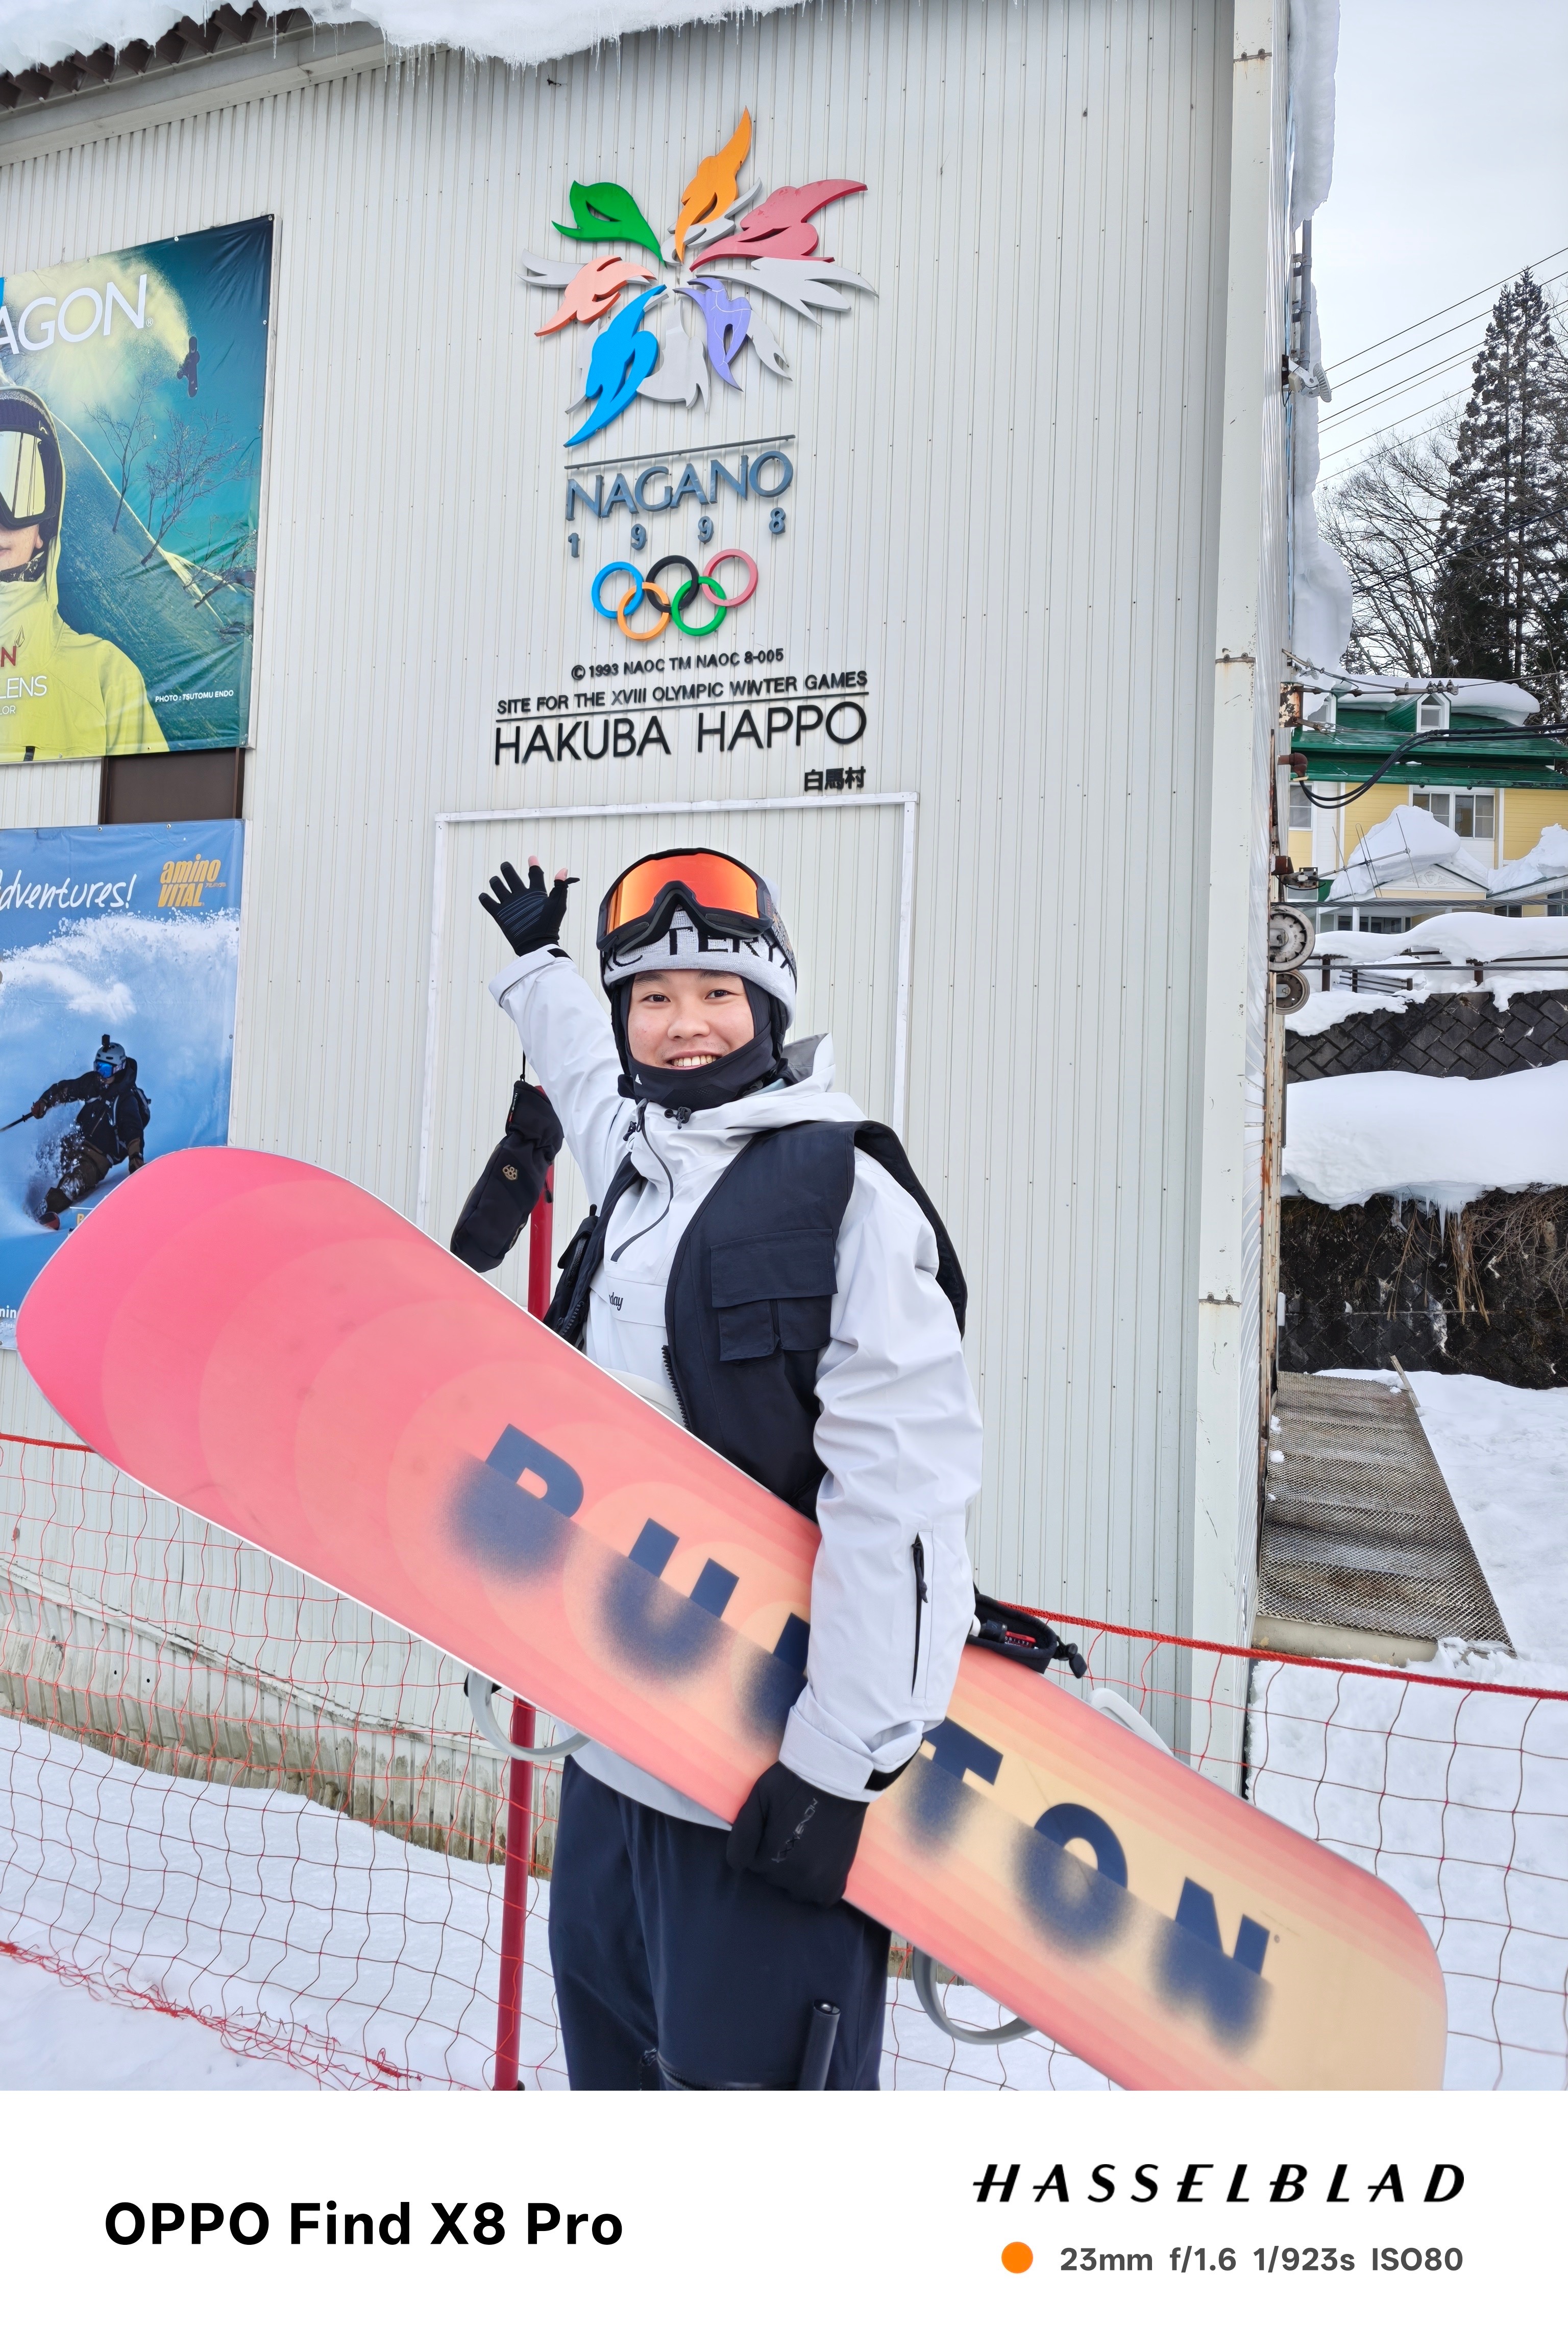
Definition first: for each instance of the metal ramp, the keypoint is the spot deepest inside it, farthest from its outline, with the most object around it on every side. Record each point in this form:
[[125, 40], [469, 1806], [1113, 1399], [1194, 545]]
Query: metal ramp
[[1363, 1554]]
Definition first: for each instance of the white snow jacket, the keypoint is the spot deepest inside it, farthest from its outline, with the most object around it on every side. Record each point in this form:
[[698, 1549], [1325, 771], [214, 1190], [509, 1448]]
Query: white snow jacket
[[899, 1433]]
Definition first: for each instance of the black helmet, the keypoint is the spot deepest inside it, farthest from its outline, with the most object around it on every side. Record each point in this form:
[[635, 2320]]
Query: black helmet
[[32, 475]]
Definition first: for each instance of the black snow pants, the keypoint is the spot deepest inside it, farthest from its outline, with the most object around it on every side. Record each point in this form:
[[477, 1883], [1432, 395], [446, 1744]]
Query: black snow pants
[[82, 1170], [675, 1972]]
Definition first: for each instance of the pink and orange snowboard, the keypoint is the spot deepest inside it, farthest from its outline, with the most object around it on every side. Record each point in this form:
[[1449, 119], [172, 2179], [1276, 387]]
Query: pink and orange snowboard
[[272, 1349]]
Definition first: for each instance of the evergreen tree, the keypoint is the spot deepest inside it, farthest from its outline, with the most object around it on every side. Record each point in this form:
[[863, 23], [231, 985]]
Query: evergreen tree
[[1500, 603]]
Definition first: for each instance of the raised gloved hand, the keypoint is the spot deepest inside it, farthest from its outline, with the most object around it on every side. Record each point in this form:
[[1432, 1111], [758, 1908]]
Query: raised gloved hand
[[798, 1838], [530, 915]]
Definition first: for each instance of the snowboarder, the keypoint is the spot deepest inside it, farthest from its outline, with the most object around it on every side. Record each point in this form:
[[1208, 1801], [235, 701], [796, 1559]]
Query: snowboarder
[[68, 696], [765, 1267], [109, 1127]]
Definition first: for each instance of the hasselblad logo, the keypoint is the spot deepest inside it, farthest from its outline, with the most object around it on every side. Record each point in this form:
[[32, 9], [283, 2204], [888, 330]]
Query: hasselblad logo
[[727, 253]]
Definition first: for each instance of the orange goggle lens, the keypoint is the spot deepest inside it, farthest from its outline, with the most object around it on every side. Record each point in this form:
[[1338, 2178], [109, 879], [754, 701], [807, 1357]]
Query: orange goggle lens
[[716, 883]]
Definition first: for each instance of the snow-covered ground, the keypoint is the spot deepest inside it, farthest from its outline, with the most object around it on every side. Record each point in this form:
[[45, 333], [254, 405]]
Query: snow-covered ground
[[1459, 1797], [1517, 957], [1441, 1141], [55, 2035], [1504, 1453], [332, 1954]]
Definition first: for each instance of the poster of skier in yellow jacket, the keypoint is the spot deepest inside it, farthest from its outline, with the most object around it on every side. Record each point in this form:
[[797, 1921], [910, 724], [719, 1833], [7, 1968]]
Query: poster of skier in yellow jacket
[[132, 387], [63, 695]]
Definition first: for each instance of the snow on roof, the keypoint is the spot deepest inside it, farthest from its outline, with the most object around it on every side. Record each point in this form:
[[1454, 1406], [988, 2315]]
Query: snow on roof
[[1547, 862], [41, 32], [1376, 690], [1411, 850], [1515, 956], [519, 32], [1322, 598], [1314, 51], [1441, 1141]]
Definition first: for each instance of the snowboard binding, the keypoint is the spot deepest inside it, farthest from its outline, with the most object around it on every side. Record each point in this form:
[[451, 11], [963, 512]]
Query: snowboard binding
[[1017, 1634]]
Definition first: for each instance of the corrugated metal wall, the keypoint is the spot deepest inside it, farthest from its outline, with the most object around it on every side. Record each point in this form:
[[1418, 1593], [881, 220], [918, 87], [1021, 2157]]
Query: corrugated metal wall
[[1006, 510], [1250, 626]]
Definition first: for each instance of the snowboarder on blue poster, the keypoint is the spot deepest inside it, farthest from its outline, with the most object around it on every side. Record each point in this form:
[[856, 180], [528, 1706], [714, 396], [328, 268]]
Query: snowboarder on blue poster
[[109, 1127], [765, 1267]]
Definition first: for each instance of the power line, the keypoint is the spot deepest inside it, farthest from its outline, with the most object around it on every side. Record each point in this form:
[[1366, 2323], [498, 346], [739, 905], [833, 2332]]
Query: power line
[[1555, 279], [1402, 384], [1400, 332], [1391, 426], [1405, 383]]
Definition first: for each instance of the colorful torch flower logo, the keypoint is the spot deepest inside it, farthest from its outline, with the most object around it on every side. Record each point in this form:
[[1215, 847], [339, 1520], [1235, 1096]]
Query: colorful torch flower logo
[[727, 253]]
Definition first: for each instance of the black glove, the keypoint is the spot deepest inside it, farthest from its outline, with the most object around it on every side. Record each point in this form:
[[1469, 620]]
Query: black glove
[[530, 915], [798, 1838], [510, 1182]]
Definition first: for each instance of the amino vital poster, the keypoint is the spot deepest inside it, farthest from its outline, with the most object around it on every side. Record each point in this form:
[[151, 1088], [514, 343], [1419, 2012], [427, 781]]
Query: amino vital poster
[[119, 957], [132, 389]]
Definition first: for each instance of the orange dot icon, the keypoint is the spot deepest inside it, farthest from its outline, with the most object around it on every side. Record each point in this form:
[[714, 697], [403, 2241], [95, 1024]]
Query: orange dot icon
[[1017, 2257]]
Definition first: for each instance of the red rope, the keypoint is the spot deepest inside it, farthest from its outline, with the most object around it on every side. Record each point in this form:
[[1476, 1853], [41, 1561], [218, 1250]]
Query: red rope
[[1287, 1657], [1132, 1632]]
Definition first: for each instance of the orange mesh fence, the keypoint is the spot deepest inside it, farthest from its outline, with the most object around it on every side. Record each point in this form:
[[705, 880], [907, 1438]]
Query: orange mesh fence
[[227, 1793]]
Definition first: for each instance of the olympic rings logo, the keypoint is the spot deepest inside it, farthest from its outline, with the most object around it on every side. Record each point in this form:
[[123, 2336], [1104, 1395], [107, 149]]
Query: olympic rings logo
[[672, 605]]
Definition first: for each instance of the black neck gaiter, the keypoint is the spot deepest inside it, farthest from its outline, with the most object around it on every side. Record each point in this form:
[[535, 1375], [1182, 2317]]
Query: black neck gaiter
[[751, 1065]]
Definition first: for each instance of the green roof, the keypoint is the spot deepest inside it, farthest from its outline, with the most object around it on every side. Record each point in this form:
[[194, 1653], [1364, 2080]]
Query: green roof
[[1364, 739]]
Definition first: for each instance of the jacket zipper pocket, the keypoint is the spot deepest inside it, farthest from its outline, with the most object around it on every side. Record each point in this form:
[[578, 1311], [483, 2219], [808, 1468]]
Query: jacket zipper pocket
[[922, 1594]]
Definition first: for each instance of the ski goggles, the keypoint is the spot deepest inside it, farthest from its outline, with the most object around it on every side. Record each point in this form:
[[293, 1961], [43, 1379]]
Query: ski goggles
[[24, 483], [720, 893]]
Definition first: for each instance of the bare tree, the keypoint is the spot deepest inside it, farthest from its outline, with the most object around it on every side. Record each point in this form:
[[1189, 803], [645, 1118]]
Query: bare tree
[[127, 437], [193, 459], [1382, 519], [232, 565], [1455, 540]]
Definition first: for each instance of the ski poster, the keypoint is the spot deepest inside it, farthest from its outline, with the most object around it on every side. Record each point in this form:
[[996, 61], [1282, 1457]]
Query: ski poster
[[132, 389], [119, 956]]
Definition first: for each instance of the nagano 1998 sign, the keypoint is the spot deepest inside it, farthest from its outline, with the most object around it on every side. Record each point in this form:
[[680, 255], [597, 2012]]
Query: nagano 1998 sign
[[662, 316], [725, 256]]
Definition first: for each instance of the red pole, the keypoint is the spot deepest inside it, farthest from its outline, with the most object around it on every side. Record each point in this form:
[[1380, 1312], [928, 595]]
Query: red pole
[[540, 1248], [520, 1776], [515, 1898]]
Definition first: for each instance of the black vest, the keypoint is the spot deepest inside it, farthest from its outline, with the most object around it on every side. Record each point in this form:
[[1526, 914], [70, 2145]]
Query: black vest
[[749, 1298]]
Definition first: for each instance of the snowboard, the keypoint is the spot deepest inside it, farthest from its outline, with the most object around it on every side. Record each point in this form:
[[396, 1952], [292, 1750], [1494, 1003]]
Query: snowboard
[[272, 1349]]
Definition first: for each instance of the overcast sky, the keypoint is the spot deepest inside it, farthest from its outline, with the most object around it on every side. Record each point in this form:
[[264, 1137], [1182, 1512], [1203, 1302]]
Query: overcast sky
[[1450, 169]]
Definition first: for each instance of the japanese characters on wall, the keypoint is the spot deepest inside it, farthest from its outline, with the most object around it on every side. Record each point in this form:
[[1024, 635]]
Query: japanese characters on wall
[[132, 390]]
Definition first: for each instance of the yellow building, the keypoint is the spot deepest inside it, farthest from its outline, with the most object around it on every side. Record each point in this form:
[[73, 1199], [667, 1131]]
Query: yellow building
[[1494, 782]]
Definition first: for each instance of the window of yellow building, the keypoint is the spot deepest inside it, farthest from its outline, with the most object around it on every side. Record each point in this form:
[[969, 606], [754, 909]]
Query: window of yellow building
[[1470, 814]]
